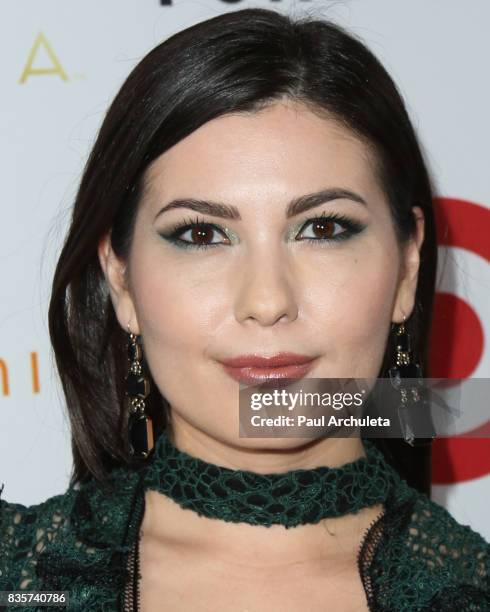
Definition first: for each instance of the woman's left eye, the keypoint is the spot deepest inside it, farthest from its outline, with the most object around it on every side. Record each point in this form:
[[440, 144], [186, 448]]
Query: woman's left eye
[[326, 229]]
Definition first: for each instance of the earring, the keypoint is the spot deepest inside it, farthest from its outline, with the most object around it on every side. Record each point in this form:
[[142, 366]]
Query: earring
[[140, 425], [413, 410]]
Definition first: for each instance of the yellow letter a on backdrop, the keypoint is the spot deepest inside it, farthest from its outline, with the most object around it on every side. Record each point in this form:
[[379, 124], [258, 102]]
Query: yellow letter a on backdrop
[[56, 67]]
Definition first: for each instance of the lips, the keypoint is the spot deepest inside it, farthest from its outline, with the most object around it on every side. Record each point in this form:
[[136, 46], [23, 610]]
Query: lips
[[256, 368]]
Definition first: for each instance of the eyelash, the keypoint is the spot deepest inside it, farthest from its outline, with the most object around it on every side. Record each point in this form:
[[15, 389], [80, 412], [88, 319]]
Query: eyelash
[[351, 227]]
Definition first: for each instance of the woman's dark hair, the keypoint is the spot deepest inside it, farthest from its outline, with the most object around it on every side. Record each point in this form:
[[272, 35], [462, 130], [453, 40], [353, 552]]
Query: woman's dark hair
[[240, 61]]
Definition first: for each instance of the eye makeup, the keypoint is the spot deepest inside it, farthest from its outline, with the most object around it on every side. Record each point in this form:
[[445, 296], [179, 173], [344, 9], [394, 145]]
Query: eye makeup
[[202, 230]]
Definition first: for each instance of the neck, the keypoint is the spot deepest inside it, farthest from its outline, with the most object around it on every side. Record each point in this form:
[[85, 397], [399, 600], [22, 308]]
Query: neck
[[207, 497], [169, 529]]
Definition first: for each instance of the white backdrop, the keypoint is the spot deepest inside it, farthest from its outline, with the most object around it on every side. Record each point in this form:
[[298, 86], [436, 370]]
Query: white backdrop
[[62, 62]]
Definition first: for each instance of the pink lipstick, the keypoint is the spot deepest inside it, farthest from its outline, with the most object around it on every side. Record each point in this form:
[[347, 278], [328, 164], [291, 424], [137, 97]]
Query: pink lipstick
[[254, 369]]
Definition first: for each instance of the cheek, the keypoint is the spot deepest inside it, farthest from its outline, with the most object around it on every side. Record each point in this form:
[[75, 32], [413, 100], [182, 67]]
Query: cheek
[[177, 313], [351, 299], [176, 308], [368, 315]]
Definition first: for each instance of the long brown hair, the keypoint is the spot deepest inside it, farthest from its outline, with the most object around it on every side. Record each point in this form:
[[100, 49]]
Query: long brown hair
[[240, 61]]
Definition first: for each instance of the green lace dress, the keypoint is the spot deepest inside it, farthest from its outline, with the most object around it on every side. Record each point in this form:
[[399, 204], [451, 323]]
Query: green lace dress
[[414, 557]]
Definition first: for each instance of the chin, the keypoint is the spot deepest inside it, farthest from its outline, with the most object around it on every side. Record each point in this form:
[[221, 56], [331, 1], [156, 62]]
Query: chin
[[275, 443]]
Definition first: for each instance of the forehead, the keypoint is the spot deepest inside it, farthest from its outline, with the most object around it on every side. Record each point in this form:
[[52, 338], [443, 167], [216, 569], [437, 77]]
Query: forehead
[[281, 149]]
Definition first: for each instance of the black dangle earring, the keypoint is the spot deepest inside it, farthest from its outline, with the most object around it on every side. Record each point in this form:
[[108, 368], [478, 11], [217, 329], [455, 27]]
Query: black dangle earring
[[140, 425], [413, 411]]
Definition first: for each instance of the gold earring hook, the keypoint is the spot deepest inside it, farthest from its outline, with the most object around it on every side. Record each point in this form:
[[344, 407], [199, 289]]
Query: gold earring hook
[[130, 332]]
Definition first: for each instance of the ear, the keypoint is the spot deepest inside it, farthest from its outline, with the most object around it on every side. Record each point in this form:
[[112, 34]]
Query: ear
[[405, 296], [115, 272]]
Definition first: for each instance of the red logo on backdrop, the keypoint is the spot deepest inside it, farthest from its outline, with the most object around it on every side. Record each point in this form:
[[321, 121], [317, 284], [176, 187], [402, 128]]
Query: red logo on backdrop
[[457, 339]]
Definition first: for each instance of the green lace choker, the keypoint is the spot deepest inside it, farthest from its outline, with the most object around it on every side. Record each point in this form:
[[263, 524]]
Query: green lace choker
[[291, 498]]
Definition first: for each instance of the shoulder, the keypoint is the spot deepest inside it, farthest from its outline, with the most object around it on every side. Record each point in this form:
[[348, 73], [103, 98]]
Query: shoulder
[[454, 557], [433, 559], [431, 523], [25, 531], [438, 539], [76, 541]]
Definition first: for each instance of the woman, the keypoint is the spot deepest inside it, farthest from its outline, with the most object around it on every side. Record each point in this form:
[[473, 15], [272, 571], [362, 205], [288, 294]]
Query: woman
[[256, 188]]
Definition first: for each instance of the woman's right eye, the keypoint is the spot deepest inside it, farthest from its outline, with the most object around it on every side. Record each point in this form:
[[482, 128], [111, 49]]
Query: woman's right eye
[[198, 234]]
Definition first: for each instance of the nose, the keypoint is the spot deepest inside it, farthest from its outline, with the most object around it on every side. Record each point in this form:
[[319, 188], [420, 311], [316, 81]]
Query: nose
[[266, 290]]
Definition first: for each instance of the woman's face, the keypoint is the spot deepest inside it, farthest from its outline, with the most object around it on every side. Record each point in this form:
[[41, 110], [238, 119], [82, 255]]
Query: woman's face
[[262, 287]]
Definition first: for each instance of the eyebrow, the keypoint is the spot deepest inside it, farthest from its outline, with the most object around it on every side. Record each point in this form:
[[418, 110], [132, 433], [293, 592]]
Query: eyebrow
[[295, 206]]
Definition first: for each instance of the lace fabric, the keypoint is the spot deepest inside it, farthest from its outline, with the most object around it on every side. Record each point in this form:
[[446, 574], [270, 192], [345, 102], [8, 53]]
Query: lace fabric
[[415, 557], [291, 498]]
